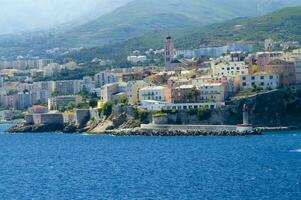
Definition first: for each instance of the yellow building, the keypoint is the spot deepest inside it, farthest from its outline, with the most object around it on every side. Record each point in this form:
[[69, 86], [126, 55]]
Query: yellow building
[[132, 90]]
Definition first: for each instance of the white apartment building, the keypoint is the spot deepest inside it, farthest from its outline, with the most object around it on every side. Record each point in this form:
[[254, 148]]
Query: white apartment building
[[157, 93], [87, 84], [104, 78], [229, 69], [67, 87], [109, 91], [229, 81], [265, 81], [136, 59]]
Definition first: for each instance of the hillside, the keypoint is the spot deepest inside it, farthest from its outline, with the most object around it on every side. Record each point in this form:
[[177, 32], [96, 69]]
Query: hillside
[[284, 24], [149, 16], [142, 24]]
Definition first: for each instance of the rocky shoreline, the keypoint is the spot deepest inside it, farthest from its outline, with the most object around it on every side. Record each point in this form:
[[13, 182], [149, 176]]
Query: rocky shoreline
[[24, 128]]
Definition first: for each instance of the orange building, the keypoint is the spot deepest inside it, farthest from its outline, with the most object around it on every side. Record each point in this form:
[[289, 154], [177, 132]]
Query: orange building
[[286, 71]]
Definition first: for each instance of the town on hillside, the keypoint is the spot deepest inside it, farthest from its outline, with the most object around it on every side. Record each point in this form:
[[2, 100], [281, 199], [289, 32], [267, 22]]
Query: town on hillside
[[194, 81]]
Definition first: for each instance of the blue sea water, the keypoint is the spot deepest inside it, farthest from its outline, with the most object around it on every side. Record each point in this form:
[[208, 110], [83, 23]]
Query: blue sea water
[[58, 166]]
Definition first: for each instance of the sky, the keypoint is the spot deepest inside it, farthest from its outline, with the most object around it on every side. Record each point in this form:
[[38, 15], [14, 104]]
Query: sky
[[27, 15]]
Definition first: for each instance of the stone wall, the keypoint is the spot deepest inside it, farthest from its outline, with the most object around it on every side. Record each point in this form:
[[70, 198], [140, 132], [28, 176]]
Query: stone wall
[[29, 119], [82, 116], [48, 118]]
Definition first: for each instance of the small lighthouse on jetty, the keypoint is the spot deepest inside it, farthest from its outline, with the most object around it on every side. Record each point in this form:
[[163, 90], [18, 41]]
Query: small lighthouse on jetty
[[245, 127]]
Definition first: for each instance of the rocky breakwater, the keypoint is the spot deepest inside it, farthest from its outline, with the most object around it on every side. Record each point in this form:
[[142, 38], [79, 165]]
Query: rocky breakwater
[[144, 132]]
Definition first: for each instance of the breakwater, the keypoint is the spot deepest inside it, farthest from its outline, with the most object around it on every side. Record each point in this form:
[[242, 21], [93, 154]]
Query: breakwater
[[157, 132], [130, 132]]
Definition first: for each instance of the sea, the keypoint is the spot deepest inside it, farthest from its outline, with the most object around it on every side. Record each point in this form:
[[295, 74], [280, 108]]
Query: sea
[[72, 166]]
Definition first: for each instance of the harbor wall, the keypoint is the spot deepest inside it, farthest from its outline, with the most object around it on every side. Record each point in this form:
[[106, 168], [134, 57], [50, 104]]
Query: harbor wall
[[166, 127]]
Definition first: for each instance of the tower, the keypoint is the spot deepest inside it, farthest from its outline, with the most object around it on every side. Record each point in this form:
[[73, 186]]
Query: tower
[[268, 44], [168, 52], [245, 115], [245, 126]]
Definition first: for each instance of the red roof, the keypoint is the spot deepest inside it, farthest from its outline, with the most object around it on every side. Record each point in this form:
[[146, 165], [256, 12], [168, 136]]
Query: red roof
[[153, 77], [39, 107]]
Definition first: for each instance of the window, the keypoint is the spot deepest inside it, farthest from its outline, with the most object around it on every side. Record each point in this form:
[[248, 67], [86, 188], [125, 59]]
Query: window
[[271, 77], [262, 83], [244, 84], [252, 78], [262, 77], [244, 78]]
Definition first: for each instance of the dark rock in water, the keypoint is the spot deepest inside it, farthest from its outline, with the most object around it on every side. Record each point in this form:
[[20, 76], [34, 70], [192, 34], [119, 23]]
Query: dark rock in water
[[70, 128], [35, 128]]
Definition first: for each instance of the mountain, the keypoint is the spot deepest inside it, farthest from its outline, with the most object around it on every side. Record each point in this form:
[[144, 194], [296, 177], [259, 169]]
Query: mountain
[[284, 24], [139, 17], [136, 19], [29, 15]]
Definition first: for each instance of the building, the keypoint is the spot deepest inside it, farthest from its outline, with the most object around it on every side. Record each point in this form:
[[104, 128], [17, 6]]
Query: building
[[50, 118], [67, 87], [185, 94], [264, 81], [157, 93], [225, 68], [298, 70], [87, 84], [213, 52], [285, 69], [137, 59], [55, 103], [212, 92], [132, 90], [107, 91], [263, 58], [159, 105], [168, 53], [8, 115], [104, 78], [268, 44], [132, 76], [154, 79]]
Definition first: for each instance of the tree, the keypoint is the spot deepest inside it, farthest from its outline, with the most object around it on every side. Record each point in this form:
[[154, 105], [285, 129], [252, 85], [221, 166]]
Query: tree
[[93, 102], [123, 99], [107, 108]]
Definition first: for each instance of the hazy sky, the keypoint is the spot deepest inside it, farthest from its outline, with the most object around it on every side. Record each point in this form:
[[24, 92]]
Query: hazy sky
[[20, 15]]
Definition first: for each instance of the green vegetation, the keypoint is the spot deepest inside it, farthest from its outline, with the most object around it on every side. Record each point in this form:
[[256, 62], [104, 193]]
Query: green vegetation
[[107, 108], [281, 25], [159, 114], [142, 115], [123, 100], [204, 114]]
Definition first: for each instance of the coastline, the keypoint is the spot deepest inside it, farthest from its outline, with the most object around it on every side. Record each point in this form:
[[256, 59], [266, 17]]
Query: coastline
[[71, 129]]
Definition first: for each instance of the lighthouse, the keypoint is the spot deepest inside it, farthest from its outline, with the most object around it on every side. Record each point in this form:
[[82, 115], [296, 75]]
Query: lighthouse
[[246, 126]]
